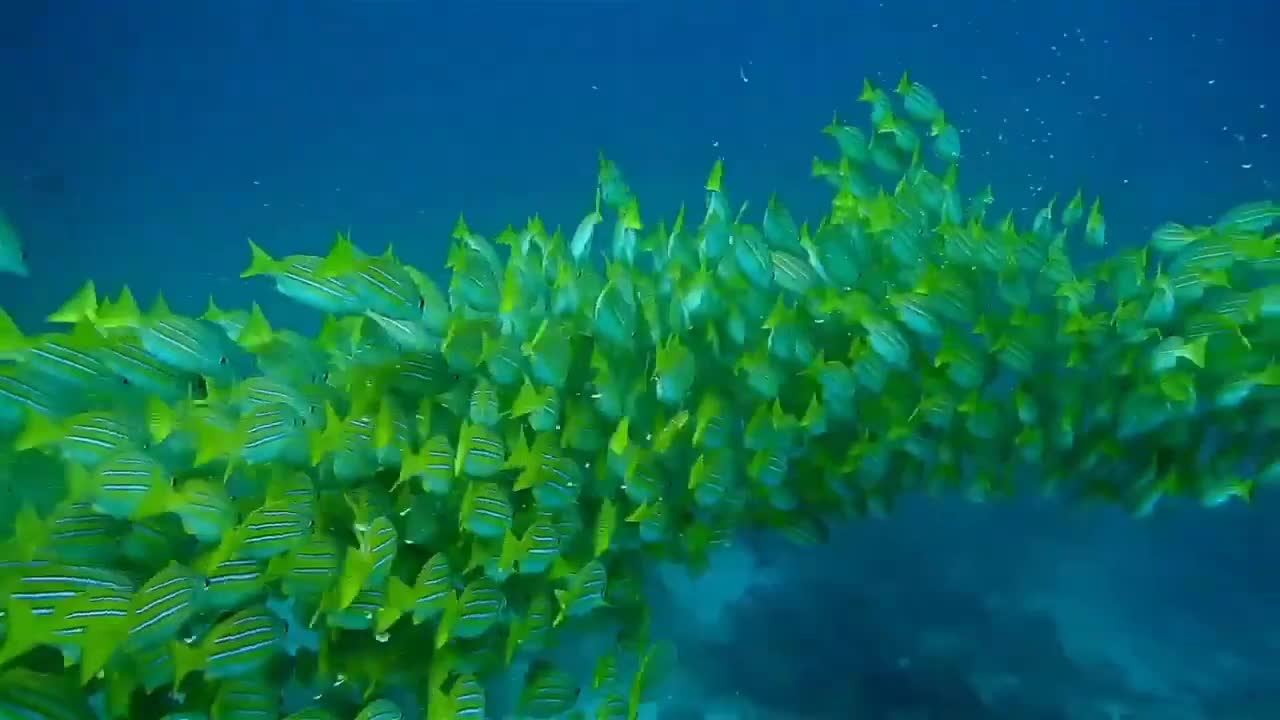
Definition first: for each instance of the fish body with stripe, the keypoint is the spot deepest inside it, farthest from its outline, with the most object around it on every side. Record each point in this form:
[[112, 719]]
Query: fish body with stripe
[[487, 510], [130, 485], [29, 695], [475, 610], [432, 465], [86, 439], [66, 625], [585, 593], [139, 369], [380, 709], [77, 533], [308, 570], [465, 700], [24, 393], [241, 644], [233, 582], [246, 699], [205, 508], [536, 550], [548, 691], [163, 605], [298, 277], [433, 589], [182, 342], [71, 361], [272, 529], [265, 434], [381, 283], [481, 451]]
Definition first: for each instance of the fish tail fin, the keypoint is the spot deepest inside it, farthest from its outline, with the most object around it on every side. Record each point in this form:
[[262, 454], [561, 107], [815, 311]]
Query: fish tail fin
[[257, 332], [400, 600], [25, 631], [79, 482], [123, 312], [519, 630], [512, 550], [212, 443], [79, 307], [447, 621], [260, 263], [186, 660], [101, 643], [11, 337], [38, 431], [160, 419]]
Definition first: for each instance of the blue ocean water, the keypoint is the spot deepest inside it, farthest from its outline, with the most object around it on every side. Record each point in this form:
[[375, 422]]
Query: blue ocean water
[[144, 141]]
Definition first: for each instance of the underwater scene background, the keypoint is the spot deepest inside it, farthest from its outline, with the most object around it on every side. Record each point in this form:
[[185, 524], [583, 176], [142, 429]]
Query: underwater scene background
[[144, 142]]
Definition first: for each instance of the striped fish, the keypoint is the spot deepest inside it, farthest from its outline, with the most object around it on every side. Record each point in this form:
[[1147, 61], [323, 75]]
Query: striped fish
[[85, 439], [381, 709], [69, 624], [536, 550], [384, 286], [407, 333], [184, 343], [163, 605], [483, 408], [23, 393], [481, 452], [241, 644], [548, 691], [154, 666], [308, 570], [137, 368], [298, 277], [361, 613], [477, 609], [27, 694], [585, 592], [421, 374], [72, 361], [468, 698], [274, 528], [614, 707], [432, 589], [79, 534], [246, 699], [205, 508], [380, 542], [233, 582], [432, 465], [533, 630], [486, 510], [130, 484]]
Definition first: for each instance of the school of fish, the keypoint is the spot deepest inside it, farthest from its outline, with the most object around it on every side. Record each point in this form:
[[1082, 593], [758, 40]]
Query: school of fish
[[443, 481]]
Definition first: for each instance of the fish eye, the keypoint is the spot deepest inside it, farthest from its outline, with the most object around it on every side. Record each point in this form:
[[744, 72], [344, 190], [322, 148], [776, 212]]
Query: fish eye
[[222, 360]]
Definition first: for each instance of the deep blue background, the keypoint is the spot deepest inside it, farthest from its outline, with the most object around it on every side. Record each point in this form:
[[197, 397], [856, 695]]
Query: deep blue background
[[144, 141]]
